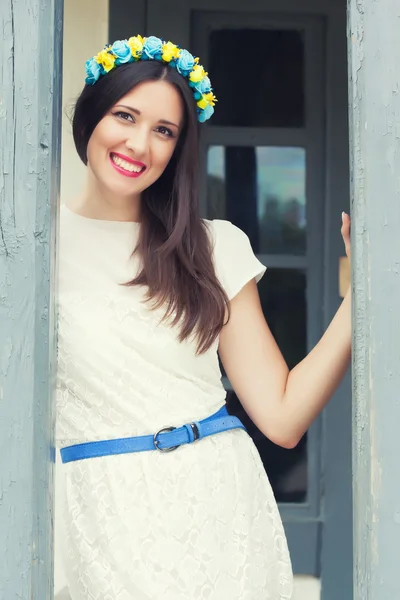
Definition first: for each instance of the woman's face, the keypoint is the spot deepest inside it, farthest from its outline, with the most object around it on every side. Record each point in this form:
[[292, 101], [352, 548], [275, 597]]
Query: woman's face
[[133, 143]]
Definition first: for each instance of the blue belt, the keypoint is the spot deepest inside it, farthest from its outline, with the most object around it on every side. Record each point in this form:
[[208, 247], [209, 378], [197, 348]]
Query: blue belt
[[165, 440]]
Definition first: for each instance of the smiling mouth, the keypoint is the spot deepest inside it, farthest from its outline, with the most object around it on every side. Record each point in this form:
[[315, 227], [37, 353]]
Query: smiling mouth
[[128, 168]]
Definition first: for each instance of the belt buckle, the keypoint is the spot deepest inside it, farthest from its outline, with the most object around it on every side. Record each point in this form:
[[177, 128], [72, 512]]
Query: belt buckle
[[157, 442]]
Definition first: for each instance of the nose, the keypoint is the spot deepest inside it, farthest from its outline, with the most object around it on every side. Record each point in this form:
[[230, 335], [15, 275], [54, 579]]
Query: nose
[[138, 142]]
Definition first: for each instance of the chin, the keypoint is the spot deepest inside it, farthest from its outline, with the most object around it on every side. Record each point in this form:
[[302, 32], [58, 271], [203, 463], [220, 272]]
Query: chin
[[122, 189]]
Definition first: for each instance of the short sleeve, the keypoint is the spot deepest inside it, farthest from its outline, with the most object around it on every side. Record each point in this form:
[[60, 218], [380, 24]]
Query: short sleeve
[[234, 260]]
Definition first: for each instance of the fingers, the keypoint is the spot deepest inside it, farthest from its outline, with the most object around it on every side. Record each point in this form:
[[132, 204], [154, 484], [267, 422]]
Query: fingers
[[345, 231], [345, 224], [345, 219]]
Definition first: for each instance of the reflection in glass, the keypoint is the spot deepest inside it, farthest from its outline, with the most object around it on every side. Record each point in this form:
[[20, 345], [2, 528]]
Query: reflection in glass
[[262, 191], [262, 83], [283, 297]]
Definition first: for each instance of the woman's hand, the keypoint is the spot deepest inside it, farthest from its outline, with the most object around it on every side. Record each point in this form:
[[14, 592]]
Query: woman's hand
[[345, 231]]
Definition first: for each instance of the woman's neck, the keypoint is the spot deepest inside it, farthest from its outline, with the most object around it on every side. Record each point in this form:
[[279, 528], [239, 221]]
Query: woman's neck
[[98, 204]]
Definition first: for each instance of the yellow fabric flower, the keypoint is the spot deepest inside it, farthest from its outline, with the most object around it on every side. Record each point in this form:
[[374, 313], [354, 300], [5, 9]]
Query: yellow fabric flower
[[202, 103], [170, 52], [207, 100], [105, 59], [211, 99], [136, 45], [197, 74]]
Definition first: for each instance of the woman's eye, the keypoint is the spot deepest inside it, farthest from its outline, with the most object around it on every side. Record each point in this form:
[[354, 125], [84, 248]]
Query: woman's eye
[[124, 115], [165, 131]]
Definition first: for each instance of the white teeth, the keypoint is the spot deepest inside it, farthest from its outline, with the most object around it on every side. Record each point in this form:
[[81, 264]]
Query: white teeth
[[125, 165]]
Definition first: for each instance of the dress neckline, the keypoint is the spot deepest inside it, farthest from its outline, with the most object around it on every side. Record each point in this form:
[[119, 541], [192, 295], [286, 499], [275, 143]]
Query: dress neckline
[[99, 223]]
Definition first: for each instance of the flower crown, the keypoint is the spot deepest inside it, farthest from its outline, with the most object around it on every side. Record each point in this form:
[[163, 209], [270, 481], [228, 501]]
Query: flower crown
[[152, 48]]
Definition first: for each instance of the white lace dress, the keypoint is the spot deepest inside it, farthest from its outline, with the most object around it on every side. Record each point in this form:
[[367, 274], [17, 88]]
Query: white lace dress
[[199, 523]]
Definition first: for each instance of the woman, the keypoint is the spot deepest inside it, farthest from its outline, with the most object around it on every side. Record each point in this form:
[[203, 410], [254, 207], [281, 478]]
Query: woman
[[149, 294]]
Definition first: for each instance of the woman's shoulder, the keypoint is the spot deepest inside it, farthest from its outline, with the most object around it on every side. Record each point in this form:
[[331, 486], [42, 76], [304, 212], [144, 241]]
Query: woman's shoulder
[[224, 232], [234, 260]]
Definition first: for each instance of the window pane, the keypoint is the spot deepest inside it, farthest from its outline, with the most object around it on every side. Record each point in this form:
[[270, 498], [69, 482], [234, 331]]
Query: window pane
[[283, 297], [262, 191], [286, 469], [258, 77]]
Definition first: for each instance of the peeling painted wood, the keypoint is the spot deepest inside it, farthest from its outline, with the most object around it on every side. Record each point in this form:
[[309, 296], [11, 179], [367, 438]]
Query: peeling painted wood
[[30, 99], [374, 56]]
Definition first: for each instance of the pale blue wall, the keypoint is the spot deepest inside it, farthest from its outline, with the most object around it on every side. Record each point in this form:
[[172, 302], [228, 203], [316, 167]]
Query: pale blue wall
[[30, 52], [374, 45]]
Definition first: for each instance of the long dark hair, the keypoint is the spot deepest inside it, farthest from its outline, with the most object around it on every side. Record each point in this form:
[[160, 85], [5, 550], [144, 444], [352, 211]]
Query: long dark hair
[[174, 243]]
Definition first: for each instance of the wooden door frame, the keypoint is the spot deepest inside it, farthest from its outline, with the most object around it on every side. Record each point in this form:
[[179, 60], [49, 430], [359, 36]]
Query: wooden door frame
[[159, 17]]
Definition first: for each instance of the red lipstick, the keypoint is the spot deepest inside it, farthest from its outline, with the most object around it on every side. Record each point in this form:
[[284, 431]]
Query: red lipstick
[[123, 171]]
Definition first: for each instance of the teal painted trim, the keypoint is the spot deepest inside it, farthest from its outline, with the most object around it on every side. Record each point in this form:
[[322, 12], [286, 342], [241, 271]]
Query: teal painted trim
[[374, 58], [304, 539], [30, 123]]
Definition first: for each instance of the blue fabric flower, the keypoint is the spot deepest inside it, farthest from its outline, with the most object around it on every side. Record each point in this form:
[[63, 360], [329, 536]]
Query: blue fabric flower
[[203, 86], [185, 63], [152, 48], [93, 71], [122, 52], [205, 114]]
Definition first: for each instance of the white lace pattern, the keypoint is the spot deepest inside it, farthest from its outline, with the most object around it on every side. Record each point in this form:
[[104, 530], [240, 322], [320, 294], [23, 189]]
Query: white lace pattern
[[199, 523]]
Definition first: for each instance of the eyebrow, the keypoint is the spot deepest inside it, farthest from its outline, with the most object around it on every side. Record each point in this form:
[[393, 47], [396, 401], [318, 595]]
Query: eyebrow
[[136, 111]]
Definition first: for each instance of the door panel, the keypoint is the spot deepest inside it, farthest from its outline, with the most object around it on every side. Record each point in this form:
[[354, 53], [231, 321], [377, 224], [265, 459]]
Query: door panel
[[301, 105]]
